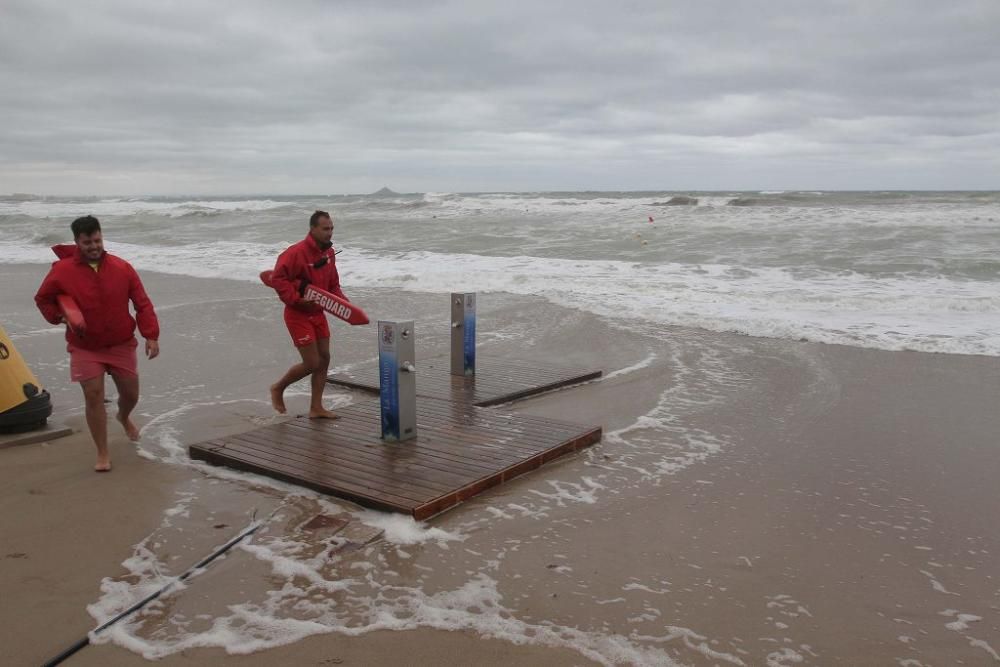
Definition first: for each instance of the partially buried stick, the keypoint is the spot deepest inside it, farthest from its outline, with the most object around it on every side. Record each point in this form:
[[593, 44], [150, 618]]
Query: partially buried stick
[[252, 528]]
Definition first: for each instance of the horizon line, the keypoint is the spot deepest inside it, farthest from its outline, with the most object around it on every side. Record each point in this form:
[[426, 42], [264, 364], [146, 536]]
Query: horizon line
[[776, 190]]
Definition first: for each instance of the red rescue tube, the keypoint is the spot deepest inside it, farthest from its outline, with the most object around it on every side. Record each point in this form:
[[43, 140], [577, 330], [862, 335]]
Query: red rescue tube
[[71, 311], [336, 306], [331, 303]]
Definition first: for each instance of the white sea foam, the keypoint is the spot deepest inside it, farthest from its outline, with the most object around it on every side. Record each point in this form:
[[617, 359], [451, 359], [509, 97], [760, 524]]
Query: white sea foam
[[923, 280], [630, 369], [661, 442], [46, 208], [571, 492], [961, 621], [783, 657], [930, 314], [401, 529], [147, 571], [316, 599], [927, 314], [547, 206], [961, 625]]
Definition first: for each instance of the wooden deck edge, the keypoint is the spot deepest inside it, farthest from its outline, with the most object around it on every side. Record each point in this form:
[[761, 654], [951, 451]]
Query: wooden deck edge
[[452, 498], [498, 400], [351, 384], [214, 456], [540, 389]]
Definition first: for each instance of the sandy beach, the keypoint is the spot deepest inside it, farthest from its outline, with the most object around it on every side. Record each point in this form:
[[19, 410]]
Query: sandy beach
[[753, 502]]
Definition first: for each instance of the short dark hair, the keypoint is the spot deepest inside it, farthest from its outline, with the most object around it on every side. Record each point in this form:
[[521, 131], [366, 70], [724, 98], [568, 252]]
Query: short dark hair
[[88, 224], [317, 216]]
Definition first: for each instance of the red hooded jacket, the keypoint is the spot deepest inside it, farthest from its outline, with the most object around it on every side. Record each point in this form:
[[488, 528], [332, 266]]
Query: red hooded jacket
[[298, 265], [103, 297]]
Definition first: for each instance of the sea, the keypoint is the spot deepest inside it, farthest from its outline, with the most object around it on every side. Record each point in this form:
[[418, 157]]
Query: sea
[[577, 555], [882, 269]]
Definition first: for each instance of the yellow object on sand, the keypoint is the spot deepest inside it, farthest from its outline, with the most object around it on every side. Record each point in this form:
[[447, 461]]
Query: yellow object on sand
[[14, 375]]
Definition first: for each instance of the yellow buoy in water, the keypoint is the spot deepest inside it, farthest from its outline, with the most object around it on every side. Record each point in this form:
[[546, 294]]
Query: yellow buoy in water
[[24, 405]]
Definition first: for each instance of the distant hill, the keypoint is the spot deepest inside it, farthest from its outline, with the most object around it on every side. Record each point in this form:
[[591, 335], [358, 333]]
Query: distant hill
[[384, 192]]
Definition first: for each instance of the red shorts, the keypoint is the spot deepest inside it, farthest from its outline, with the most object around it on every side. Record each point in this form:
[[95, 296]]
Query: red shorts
[[118, 360], [306, 328]]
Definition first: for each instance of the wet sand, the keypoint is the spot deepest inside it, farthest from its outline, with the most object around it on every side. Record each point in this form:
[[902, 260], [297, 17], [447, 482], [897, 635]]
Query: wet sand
[[753, 502]]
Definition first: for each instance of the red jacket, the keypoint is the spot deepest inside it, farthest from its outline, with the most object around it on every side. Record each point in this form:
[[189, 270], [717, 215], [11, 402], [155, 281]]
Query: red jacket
[[103, 298], [297, 266]]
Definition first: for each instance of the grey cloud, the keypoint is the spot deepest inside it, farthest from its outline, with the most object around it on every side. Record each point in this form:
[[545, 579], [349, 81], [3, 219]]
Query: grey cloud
[[438, 96]]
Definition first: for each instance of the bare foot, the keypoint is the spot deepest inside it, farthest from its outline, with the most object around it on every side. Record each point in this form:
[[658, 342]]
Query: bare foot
[[102, 465], [131, 430], [278, 399], [322, 413]]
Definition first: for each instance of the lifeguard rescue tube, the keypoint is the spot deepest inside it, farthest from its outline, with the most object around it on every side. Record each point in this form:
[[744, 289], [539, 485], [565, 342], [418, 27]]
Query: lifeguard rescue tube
[[331, 303], [71, 311]]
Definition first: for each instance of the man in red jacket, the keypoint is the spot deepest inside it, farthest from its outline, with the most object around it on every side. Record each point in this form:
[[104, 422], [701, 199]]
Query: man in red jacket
[[308, 262], [102, 286]]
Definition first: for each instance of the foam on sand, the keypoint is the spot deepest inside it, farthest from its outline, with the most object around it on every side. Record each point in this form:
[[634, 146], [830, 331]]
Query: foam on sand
[[311, 596], [402, 529]]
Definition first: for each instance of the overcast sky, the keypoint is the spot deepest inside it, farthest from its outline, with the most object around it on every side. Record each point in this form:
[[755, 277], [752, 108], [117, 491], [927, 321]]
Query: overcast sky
[[125, 97]]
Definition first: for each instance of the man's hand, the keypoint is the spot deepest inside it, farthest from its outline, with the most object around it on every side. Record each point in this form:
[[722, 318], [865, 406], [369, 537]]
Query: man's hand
[[79, 331], [152, 349]]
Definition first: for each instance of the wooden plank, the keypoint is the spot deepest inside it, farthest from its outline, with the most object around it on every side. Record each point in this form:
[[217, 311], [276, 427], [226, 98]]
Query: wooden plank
[[455, 447], [369, 471], [334, 474], [530, 429], [446, 501], [493, 418], [278, 471], [477, 430], [362, 437], [462, 442]]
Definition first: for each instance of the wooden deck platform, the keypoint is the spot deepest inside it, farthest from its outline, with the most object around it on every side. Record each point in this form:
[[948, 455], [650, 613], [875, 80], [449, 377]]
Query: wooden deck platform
[[495, 381], [460, 451]]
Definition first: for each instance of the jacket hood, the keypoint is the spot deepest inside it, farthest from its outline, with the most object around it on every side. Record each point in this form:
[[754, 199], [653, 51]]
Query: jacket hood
[[64, 250]]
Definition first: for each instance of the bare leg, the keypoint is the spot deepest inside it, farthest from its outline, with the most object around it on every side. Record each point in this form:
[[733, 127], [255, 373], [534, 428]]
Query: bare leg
[[316, 409], [278, 399], [97, 420], [310, 360], [128, 396]]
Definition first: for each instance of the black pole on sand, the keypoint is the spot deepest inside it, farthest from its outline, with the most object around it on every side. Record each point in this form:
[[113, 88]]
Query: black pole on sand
[[254, 525]]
